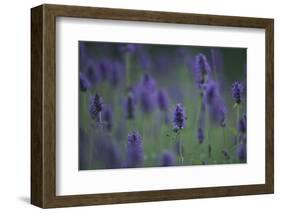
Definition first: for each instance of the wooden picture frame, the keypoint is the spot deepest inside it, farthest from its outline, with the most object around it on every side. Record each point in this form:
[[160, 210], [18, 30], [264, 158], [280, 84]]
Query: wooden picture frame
[[43, 105]]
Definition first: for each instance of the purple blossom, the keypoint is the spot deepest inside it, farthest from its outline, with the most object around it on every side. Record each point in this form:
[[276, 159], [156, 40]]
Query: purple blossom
[[95, 106], [130, 106], [202, 69], [115, 75], [135, 155], [92, 73], [147, 93], [215, 103], [163, 100], [168, 159], [107, 117], [237, 90], [147, 101], [105, 67], [211, 92], [84, 84], [148, 83], [242, 125], [179, 117], [241, 152]]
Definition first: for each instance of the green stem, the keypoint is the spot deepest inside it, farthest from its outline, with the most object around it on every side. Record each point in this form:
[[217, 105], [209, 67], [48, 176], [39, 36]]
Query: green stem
[[180, 149], [238, 114]]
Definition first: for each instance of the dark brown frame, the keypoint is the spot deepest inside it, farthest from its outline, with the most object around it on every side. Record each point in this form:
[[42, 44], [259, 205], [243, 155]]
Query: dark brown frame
[[43, 105]]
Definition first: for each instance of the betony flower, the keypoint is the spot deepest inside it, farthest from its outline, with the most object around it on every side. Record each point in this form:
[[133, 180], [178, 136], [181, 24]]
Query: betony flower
[[130, 106], [241, 152], [215, 103], [147, 93], [237, 90], [202, 69], [179, 117], [135, 155], [92, 72], [95, 106], [163, 100], [168, 159], [148, 82], [84, 84], [105, 67], [242, 125], [115, 76], [211, 92]]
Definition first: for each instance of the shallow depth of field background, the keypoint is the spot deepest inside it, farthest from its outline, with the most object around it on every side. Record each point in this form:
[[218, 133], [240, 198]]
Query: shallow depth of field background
[[172, 69]]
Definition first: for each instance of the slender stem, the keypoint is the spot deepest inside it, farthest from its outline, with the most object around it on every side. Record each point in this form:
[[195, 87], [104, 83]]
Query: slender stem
[[223, 132], [238, 114], [180, 148]]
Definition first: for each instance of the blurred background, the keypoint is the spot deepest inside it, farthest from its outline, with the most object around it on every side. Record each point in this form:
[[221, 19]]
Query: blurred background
[[139, 86]]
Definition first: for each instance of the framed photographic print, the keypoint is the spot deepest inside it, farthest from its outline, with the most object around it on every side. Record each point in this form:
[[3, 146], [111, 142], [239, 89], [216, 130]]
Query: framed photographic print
[[135, 106]]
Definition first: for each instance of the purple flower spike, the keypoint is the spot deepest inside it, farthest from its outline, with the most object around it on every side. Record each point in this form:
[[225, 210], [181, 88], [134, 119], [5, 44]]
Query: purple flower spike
[[130, 106], [92, 73], [105, 68], [147, 93], [95, 106], [202, 69], [135, 155], [116, 73], [168, 159], [147, 101], [200, 135], [242, 125], [241, 152], [214, 100], [107, 118], [83, 82], [149, 83], [163, 100], [211, 92], [179, 117], [237, 90]]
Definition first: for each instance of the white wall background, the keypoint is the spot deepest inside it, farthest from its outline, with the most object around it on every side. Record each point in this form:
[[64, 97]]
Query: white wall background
[[15, 105]]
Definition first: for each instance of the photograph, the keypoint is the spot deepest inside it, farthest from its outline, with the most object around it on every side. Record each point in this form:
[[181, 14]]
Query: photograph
[[152, 105]]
